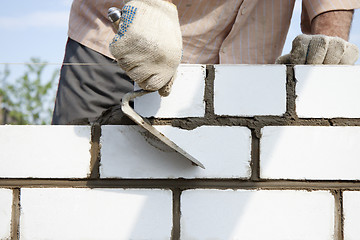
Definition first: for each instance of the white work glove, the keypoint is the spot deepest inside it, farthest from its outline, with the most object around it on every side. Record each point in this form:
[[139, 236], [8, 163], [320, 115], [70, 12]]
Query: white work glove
[[320, 49], [148, 45]]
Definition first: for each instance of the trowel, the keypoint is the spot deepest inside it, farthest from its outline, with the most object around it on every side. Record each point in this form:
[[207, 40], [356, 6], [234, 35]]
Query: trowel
[[114, 14]]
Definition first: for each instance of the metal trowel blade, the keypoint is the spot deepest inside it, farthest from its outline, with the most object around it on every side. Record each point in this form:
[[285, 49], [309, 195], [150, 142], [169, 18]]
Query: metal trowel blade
[[130, 112]]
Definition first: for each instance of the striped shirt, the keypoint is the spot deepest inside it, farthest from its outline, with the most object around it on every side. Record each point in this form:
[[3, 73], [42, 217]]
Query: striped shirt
[[214, 31]]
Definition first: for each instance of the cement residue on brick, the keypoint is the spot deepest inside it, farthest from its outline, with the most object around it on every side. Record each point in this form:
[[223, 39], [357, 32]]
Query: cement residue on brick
[[209, 90], [290, 92]]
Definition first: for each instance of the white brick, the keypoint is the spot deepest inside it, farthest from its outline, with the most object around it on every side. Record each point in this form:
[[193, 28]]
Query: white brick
[[250, 90], [328, 91], [95, 214], [243, 214], [185, 100], [5, 213], [351, 206], [126, 153], [310, 152], [44, 151]]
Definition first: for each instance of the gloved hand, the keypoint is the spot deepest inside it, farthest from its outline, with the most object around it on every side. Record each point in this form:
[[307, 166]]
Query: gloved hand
[[148, 45], [320, 49]]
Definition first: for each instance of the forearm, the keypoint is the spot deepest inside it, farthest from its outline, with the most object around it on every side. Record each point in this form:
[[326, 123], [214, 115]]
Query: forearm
[[324, 40], [333, 23]]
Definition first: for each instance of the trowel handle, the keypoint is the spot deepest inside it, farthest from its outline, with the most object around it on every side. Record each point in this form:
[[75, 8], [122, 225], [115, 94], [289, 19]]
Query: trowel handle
[[131, 95], [114, 15]]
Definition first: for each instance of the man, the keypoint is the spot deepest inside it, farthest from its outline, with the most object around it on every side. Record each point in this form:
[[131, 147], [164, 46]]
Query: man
[[153, 33]]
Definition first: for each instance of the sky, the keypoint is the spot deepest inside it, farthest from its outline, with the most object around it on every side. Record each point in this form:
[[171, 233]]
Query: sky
[[33, 28], [38, 28]]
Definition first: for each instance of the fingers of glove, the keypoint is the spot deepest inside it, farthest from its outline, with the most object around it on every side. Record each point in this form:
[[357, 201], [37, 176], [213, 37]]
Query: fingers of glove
[[299, 49], [165, 90], [335, 51], [154, 82], [351, 54], [149, 47], [137, 73], [318, 48], [285, 59]]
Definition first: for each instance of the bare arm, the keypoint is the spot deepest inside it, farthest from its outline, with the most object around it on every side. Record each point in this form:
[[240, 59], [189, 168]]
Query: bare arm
[[333, 23], [324, 40]]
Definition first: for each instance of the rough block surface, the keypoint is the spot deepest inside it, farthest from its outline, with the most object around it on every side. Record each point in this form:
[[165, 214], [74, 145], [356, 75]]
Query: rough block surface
[[5, 213], [242, 214], [250, 90], [46, 151], [327, 91], [310, 152], [62, 214], [128, 152], [185, 100]]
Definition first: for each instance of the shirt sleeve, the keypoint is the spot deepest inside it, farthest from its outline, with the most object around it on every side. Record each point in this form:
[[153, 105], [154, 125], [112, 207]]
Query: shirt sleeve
[[316, 7]]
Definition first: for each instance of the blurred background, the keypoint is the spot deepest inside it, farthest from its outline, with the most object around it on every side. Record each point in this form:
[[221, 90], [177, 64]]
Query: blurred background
[[35, 31]]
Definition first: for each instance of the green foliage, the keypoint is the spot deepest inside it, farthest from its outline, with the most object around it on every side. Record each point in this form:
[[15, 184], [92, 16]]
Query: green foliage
[[28, 100]]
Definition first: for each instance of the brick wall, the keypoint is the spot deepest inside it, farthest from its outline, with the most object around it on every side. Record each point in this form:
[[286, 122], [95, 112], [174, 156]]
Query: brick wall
[[281, 147]]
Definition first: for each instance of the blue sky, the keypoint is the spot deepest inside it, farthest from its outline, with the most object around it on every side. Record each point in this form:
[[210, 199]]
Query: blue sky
[[38, 28], [33, 28]]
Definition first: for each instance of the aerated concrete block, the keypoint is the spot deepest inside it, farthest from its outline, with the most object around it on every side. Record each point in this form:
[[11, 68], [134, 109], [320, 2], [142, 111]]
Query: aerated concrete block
[[44, 151], [185, 100], [310, 152], [327, 91], [251, 214], [5, 213], [128, 152], [68, 213], [250, 90], [351, 206]]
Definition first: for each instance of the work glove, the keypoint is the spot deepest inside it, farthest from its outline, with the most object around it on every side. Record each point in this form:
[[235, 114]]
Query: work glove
[[148, 45], [320, 49]]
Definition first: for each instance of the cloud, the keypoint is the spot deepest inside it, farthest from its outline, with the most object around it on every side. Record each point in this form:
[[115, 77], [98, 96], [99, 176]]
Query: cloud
[[53, 19]]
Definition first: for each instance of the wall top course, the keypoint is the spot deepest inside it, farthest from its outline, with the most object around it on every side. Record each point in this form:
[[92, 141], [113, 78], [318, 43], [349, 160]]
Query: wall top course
[[327, 91], [249, 90], [185, 100]]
